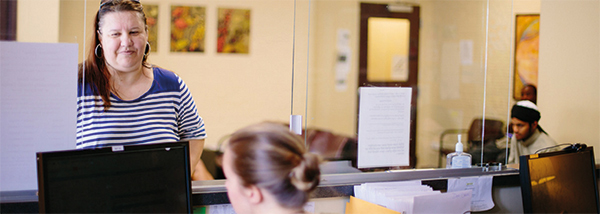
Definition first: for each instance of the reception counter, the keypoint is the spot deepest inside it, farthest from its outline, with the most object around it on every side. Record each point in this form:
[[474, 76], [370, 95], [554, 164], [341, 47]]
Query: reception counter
[[334, 189]]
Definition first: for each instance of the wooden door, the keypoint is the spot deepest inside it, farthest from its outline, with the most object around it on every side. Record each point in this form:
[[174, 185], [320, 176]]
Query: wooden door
[[403, 64]]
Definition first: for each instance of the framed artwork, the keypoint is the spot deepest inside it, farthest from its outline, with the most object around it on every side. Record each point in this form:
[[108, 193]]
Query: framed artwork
[[527, 31], [152, 22], [233, 33], [187, 28]]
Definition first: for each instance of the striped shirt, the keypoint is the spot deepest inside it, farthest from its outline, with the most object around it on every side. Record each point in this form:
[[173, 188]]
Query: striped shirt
[[165, 113]]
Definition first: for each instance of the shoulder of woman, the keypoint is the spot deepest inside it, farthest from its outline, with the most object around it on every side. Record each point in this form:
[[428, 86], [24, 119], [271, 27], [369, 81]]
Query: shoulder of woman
[[161, 73], [166, 78]]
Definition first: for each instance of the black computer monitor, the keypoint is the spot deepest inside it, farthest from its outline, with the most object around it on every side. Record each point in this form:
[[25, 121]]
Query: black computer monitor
[[153, 178], [559, 182]]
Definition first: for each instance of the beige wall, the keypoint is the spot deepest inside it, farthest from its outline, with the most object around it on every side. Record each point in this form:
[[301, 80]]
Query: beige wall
[[569, 79], [73, 13], [37, 21]]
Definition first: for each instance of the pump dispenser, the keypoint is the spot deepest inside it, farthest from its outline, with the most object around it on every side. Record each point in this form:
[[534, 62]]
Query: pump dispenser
[[458, 159]]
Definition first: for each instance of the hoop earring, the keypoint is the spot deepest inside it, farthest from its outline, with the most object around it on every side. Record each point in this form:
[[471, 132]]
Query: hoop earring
[[147, 50], [98, 53]]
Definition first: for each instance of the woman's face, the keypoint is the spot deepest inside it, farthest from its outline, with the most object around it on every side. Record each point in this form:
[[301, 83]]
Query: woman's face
[[123, 37], [233, 183]]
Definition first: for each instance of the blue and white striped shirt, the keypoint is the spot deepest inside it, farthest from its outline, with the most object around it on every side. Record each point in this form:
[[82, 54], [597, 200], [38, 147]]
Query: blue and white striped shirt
[[166, 113]]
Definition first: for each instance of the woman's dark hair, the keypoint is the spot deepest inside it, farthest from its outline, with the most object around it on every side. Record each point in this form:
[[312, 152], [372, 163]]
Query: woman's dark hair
[[96, 73], [271, 157]]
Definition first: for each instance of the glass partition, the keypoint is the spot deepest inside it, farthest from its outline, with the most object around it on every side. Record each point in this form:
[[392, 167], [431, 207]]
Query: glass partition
[[464, 74], [303, 58]]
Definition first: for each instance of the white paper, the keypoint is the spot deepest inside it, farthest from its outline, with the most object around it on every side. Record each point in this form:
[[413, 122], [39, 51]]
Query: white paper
[[466, 52], [406, 203], [343, 38], [343, 65], [449, 202], [38, 100], [412, 197], [450, 69], [397, 195], [482, 191], [384, 126]]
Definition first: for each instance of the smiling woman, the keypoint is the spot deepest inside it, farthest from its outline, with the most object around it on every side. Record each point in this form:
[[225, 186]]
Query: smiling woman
[[122, 99]]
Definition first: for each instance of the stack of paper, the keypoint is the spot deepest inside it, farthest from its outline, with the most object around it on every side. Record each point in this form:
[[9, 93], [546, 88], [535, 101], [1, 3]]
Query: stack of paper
[[411, 197]]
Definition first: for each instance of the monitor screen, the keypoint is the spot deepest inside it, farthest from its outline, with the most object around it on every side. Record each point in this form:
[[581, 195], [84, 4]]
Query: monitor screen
[[125, 179], [559, 182]]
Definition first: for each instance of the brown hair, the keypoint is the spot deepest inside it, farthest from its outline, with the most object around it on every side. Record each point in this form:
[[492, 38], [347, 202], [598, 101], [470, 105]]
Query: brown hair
[[96, 73], [273, 158]]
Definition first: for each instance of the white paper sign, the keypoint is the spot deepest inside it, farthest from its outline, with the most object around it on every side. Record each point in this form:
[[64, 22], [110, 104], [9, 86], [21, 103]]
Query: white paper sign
[[38, 100], [481, 199], [466, 52], [343, 64], [384, 127]]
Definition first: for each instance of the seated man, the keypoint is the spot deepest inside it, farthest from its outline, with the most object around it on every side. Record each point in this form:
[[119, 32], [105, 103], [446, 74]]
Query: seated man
[[528, 136]]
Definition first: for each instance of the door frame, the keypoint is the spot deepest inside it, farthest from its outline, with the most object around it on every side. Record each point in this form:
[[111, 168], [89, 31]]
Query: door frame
[[368, 10]]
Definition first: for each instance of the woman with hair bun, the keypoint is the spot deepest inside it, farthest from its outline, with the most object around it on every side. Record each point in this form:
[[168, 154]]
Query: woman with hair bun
[[268, 170]]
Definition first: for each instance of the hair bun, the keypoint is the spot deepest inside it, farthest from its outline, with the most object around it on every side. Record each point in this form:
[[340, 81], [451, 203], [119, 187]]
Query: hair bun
[[306, 175]]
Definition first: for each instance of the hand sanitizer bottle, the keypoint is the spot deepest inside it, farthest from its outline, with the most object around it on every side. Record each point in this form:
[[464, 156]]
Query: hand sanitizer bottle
[[458, 159]]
